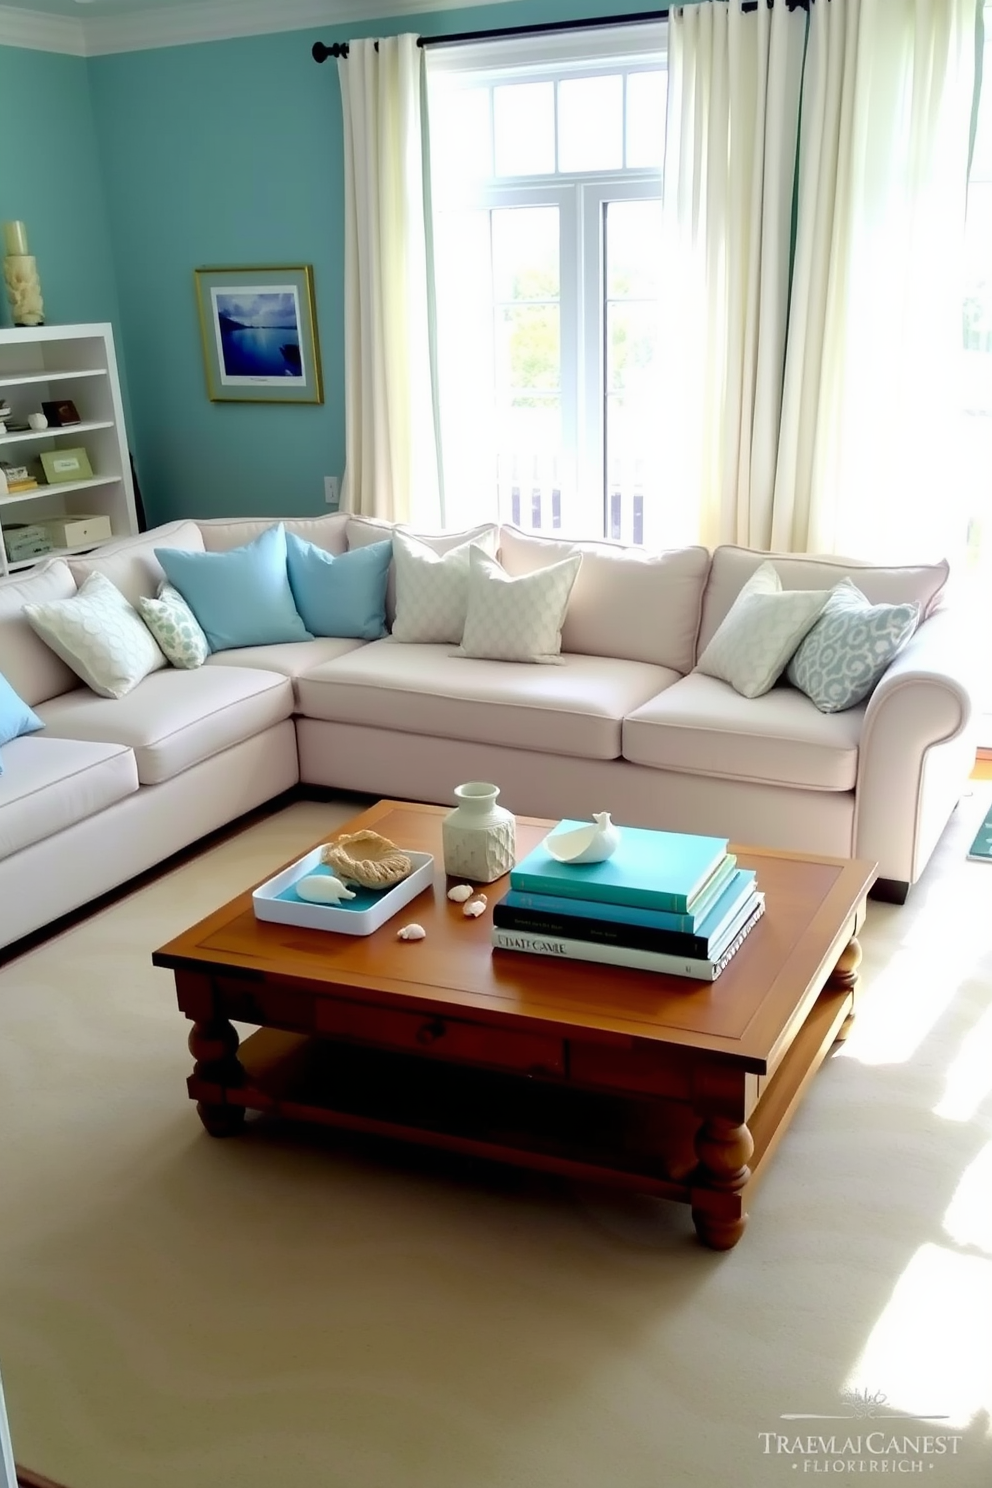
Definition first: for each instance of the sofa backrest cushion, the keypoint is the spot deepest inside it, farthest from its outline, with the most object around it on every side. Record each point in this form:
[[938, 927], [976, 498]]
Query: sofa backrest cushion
[[32, 668], [365, 530], [627, 603], [327, 532], [131, 565], [732, 567]]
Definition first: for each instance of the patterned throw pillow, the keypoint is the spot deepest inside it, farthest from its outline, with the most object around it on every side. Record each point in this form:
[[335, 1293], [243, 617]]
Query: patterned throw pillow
[[516, 619], [99, 635], [760, 631], [431, 589], [175, 627], [847, 652]]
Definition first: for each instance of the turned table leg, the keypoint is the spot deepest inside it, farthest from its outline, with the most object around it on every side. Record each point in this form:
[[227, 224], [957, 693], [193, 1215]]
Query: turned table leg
[[213, 1044], [723, 1148], [845, 977]]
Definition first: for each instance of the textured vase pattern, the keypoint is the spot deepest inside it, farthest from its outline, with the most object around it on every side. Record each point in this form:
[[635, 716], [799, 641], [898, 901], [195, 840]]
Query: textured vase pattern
[[478, 837], [20, 273]]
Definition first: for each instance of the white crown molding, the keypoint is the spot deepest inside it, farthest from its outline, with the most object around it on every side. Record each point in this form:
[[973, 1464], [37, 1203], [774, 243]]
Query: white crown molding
[[41, 33], [183, 25]]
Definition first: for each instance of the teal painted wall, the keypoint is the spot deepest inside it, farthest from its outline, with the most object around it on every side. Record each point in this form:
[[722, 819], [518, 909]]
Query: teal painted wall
[[231, 153], [217, 153], [51, 179]]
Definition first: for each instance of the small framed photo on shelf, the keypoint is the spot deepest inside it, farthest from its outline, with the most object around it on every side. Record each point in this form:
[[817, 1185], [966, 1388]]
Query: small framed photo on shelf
[[60, 413], [66, 465], [259, 333]]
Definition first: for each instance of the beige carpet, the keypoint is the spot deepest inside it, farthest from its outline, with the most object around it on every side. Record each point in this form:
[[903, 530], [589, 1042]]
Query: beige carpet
[[293, 1312]]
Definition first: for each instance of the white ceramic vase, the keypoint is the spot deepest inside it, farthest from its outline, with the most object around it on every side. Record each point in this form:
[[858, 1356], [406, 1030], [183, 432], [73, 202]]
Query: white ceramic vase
[[478, 838]]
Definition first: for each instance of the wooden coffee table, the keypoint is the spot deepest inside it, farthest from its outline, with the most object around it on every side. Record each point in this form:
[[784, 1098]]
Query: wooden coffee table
[[676, 1088]]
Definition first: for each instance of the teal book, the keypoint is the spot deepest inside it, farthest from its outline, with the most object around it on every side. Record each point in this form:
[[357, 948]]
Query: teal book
[[653, 870]]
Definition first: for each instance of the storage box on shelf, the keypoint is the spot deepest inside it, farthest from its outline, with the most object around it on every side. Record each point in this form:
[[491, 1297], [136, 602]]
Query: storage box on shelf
[[58, 364]]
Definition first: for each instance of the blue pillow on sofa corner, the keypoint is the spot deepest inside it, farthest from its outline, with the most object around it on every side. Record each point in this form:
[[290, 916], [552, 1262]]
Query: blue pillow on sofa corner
[[340, 594], [241, 597], [16, 717]]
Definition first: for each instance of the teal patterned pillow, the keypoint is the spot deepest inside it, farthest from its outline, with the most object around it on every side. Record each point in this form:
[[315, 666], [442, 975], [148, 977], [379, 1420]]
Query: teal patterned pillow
[[175, 627], [845, 655]]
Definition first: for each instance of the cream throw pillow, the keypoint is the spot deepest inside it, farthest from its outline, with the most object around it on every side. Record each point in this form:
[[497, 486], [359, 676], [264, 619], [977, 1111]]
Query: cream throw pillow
[[516, 619], [431, 588], [760, 632], [100, 635]]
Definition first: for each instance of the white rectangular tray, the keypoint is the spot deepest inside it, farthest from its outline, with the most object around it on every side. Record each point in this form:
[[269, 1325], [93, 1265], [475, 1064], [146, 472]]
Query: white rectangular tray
[[358, 921]]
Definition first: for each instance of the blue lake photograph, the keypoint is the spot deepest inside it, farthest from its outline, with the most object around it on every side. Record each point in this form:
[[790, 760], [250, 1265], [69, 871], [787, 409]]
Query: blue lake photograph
[[259, 334]]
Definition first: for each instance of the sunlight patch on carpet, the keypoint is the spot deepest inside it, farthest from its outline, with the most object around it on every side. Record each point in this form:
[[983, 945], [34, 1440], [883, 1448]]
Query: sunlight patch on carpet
[[928, 1351], [968, 1220]]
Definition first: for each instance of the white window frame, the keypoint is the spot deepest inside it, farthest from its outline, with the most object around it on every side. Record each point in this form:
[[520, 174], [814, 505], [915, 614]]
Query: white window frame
[[580, 198]]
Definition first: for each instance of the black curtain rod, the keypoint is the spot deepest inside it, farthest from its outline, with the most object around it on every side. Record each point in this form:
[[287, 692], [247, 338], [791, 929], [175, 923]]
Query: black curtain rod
[[320, 51]]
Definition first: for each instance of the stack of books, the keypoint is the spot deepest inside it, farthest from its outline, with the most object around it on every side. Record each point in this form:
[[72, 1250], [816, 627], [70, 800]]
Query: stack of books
[[665, 901], [17, 477]]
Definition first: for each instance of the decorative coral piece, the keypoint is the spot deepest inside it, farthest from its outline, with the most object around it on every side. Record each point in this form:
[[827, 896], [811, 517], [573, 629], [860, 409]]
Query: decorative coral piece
[[366, 858], [412, 932], [474, 909]]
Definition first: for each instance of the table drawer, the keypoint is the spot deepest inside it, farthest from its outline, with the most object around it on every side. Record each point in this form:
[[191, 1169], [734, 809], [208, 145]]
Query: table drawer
[[443, 1038]]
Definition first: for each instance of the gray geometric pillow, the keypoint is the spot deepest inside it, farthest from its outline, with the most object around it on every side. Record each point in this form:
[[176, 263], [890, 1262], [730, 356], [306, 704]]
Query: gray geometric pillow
[[848, 650]]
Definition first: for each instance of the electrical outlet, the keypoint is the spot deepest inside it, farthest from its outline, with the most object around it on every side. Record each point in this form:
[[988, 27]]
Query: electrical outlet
[[332, 489]]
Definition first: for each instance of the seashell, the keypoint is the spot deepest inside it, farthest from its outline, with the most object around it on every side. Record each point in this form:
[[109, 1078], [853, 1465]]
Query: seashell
[[460, 893], [320, 888], [366, 858], [412, 932], [475, 908], [586, 844]]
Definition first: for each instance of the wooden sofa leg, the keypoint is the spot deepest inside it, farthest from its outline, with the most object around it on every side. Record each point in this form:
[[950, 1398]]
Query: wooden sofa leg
[[889, 890]]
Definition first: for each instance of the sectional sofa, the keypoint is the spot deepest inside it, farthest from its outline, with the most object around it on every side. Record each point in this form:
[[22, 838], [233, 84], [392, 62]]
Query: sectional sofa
[[112, 786]]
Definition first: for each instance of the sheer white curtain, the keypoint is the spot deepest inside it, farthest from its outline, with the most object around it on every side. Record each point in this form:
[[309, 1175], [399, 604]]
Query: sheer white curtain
[[865, 464], [733, 110], [390, 443]]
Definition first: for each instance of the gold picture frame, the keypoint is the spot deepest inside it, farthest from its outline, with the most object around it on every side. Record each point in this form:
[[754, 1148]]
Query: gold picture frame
[[258, 327]]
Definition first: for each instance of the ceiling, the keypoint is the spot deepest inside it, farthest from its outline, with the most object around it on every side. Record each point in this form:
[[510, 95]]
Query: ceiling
[[80, 9], [89, 27]]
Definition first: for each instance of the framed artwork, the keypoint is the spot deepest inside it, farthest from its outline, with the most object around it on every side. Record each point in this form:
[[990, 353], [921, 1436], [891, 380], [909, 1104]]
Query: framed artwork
[[259, 334]]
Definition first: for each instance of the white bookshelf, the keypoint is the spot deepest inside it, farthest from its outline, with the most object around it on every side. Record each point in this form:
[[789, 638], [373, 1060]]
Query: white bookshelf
[[48, 364]]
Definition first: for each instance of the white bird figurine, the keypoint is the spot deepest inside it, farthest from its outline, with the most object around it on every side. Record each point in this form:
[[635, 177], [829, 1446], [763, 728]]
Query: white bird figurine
[[321, 888], [587, 844]]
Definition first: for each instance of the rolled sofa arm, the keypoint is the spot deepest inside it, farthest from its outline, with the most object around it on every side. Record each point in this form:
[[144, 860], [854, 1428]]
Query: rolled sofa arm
[[917, 748]]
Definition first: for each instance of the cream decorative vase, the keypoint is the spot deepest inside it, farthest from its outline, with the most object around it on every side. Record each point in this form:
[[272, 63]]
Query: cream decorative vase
[[479, 838], [20, 272]]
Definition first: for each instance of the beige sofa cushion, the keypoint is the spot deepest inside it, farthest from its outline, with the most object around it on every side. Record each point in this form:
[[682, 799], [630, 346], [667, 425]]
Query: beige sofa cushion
[[701, 726], [573, 709], [732, 567], [220, 534], [175, 719], [288, 658], [626, 603], [131, 565], [50, 784], [32, 668]]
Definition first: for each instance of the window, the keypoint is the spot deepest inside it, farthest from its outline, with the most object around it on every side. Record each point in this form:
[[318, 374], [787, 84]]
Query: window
[[975, 454], [546, 157]]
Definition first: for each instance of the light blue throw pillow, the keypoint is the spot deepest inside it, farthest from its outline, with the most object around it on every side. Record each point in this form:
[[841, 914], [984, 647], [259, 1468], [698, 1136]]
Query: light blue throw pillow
[[343, 594], [845, 655], [241, 597], [16, 717]]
